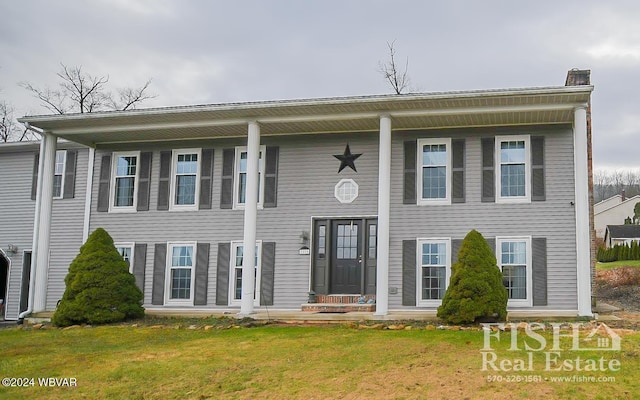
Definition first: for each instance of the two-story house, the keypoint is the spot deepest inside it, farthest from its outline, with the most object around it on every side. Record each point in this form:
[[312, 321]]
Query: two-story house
[[249, 205]]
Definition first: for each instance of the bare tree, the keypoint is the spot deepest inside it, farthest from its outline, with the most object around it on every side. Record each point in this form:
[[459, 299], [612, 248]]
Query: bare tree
[[10, 130], [7, 123], [128, 98], [397, 78], [80, 92], [611, 183]]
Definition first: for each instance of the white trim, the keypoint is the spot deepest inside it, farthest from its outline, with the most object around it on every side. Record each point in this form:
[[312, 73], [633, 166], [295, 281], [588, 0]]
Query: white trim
[[174, 167], [527, 169], [250, 108], [130, 245], [528, 301], [583, 236], [62, 175], [419, 242], [337, 194], [420, 165], [167, 274], [232, 267], [88, 194], [112, 184], [236, 176]]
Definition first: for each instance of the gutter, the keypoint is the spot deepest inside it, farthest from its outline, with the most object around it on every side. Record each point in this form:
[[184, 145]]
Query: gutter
[[36, 228]]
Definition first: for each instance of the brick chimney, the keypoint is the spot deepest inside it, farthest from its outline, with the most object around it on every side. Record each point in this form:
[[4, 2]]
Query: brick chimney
[[578, 77], [624, 195]]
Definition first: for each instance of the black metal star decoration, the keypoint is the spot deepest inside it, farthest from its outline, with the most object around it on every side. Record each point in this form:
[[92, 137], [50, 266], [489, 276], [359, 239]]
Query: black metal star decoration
[[347, 159]]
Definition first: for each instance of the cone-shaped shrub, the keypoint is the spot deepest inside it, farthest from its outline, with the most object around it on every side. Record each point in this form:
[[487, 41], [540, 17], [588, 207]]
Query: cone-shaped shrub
[[476, 291], [100, 288]]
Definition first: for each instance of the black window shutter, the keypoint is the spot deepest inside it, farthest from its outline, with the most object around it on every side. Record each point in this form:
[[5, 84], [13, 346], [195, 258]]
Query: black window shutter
[[34, 179], [144, 181], [70, 175], [410, 154], [539, 270], [139, 264], [104, 183], [271, 177], [226, 190], [222, 274], [537, 169], [455, 249], [201, 275], [488, 171], [267, 273], [159, 269], [492, 245], [457, 171], [206, 179], [409, 272], [164, 180]]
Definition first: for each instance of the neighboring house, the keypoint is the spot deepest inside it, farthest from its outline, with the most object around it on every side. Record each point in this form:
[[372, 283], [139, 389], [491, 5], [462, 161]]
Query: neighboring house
[[613, 211], [250, 205], [621, 234]]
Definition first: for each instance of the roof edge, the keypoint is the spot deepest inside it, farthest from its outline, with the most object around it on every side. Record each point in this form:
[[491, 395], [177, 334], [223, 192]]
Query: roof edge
[[315, 101]]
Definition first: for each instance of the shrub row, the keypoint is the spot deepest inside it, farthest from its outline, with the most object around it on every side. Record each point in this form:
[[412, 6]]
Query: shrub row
[[619, 252]]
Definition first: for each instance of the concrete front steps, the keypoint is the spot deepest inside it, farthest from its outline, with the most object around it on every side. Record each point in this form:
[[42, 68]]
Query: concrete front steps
[[340, 303]]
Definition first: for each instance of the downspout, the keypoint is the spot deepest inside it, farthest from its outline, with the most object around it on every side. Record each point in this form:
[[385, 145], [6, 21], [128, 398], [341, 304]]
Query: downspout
[[36, 226]]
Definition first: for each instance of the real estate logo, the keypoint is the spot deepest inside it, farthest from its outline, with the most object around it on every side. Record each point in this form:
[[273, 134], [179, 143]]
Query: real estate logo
[[528, 339]]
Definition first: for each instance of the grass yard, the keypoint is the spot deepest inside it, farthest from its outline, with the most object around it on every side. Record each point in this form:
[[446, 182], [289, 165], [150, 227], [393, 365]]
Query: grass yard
[[618, 264], [283, 362]]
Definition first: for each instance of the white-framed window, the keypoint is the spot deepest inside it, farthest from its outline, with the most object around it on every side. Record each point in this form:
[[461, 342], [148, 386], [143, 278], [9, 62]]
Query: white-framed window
[[185, 179], [240, 178], [126, 251], [124, 179], [513, 169], [434, 171], [434, 270], [235, 281], [346, 191], [58, 173], [514, 260], [180, 274]]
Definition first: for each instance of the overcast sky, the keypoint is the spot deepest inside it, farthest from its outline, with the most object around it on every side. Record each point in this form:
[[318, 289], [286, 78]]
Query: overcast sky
[[222, 51]]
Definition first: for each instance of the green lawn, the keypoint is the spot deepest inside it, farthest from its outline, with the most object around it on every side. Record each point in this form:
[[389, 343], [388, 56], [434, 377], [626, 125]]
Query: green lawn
[[617, 264], [283, 362]]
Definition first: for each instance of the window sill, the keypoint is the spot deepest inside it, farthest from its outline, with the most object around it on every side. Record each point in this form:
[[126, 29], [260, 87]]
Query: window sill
[[122, 210], [513, 200], [439, 202]]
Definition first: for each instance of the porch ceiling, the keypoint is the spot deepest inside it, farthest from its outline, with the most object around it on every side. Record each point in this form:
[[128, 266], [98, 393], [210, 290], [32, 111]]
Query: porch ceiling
[[348, 114]]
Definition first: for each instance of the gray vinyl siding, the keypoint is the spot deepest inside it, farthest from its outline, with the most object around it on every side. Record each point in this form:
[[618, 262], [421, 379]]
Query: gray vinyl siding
[[553, 218], [17, 210], [307, 175], [17, 217], [67, 221]]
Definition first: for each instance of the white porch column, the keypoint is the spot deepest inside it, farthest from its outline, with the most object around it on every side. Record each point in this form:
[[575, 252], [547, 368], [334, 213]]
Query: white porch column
[[583, 238], [250, 219], [45, 193], [384, 188]]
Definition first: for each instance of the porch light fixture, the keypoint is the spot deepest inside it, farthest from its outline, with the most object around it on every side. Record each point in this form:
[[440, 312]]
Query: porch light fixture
[[12, 249], [304, 241]]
